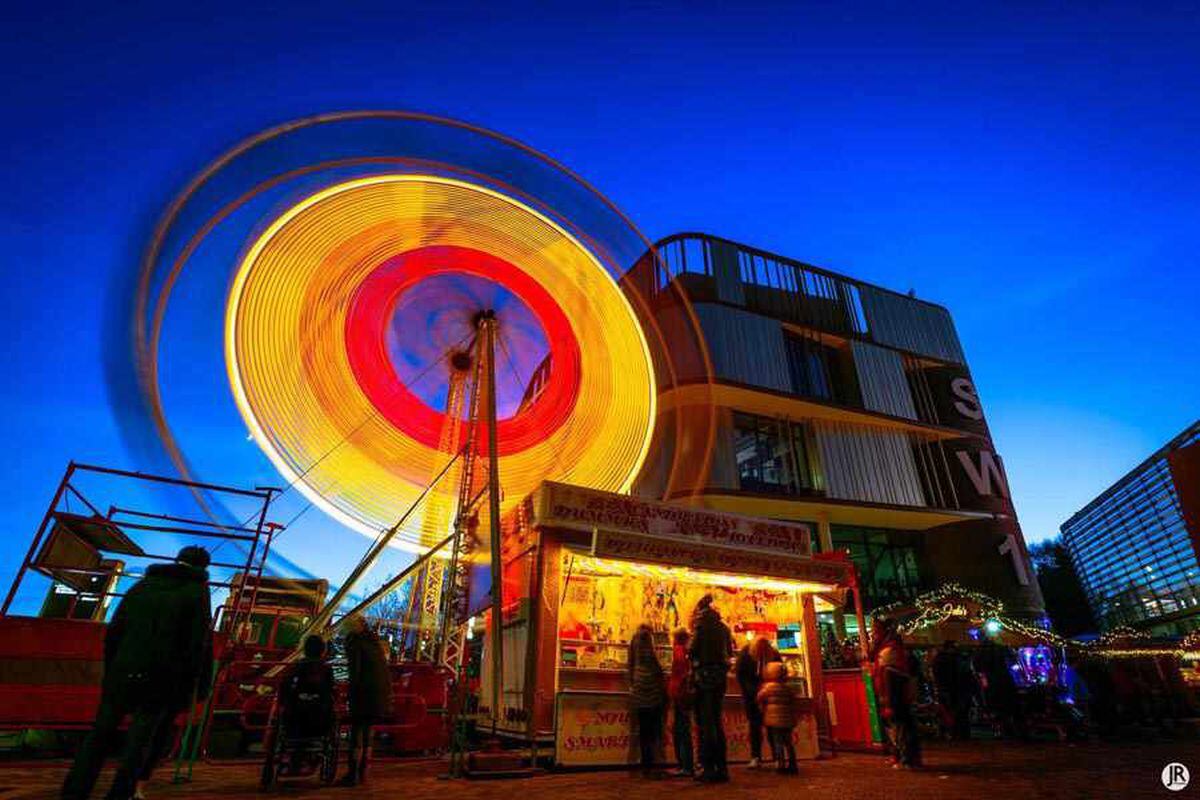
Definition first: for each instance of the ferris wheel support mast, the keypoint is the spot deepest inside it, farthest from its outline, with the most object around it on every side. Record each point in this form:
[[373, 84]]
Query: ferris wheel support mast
[[449, 645], [456, 599], [431, 584], [488, 324]]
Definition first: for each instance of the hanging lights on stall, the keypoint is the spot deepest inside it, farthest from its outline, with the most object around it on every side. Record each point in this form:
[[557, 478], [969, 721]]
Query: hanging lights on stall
[[602, 567]]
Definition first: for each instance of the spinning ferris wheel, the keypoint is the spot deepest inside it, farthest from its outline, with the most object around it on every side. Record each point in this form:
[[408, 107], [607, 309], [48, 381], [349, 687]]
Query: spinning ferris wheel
[[422, 322], [376, 284]]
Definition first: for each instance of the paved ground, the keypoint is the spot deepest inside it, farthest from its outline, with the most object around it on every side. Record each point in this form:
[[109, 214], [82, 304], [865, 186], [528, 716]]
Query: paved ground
[[979, 771]]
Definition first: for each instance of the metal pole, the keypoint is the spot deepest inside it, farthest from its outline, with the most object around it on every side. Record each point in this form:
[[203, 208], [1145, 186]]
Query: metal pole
[[489, 324], [864, 644], [532, 637], [391, 583], [235, 635], [372, 556], [33, 546], [415, 593]]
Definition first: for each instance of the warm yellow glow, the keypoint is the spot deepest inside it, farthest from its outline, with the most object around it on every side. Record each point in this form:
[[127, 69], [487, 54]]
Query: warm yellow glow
[[293, 384], [605, 567]]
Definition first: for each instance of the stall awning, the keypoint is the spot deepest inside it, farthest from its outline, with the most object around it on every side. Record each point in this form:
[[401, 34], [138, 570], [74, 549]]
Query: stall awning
[[629, 529]]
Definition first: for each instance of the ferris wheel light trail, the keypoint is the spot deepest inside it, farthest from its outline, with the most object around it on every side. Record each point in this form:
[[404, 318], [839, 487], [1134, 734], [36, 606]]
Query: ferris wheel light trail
[[353, 418], [320, 287]]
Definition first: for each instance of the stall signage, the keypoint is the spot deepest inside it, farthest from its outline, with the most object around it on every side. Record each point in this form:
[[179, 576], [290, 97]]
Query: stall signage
[[684, 553], [599, 730], [566, 506]]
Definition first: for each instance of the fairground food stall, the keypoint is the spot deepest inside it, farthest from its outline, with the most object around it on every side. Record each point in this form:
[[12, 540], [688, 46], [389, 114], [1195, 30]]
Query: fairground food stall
[[583, 569]]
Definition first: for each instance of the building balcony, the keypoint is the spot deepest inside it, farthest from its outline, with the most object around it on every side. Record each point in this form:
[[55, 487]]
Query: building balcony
[[808, 508], [757, 400]]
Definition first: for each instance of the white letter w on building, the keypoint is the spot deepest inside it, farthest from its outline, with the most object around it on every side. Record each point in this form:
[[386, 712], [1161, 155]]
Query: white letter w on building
[[982, 476]]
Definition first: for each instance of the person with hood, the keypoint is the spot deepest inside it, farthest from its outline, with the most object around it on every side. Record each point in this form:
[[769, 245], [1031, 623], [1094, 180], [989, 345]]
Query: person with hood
[[710, 651], [994, 664], [778, 705], [647, 691], [306, 697], [896, 689], [681, 690], [369, 696], [157, 659], [748, 668], [953, 680]]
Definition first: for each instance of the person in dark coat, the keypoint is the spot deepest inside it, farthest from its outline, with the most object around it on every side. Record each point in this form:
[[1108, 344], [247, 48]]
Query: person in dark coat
[[370, 693], [953, 680], [896, 690], [306, 696], [157, 658], [711, 650], [648, 694], [306, 701], [751, 661]]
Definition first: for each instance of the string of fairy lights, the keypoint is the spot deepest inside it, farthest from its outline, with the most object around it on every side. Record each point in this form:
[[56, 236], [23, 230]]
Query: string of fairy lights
[[935, 607], [950, 601]]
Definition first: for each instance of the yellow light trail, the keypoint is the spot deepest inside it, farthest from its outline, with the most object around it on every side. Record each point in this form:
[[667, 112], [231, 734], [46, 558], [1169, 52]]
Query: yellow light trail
[[288, 368]]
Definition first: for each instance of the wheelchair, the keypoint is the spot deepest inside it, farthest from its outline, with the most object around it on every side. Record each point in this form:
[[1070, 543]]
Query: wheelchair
[[299, 744]]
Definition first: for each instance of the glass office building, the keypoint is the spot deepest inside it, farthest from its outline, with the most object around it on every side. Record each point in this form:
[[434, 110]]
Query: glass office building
[[1133, 550]]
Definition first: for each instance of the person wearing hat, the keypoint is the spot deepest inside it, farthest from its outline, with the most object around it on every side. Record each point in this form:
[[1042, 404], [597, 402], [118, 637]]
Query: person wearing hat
[[710, 651], [157, 657], [369, 695], [896, 691]]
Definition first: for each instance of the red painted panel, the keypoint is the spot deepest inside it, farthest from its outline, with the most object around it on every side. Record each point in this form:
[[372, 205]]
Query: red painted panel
[[849, 712], [37, 637]]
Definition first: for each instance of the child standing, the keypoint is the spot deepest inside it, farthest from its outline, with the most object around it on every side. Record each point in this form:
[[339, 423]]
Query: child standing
[[681, 691], [778, 705]]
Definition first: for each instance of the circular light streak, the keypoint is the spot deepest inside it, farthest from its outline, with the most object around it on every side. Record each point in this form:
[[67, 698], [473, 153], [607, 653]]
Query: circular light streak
[[305, 331], [370, 314], [201, 239]]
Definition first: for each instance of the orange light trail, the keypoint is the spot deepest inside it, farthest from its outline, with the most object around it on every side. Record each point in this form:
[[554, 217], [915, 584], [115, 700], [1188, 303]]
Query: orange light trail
[[287, 362]]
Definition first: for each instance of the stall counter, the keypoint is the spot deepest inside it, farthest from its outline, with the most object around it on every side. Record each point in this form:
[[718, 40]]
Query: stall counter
[[595, 728]]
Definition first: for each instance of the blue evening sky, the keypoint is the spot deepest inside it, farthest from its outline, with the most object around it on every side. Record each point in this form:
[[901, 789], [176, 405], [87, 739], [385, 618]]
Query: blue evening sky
[[1033, 168]]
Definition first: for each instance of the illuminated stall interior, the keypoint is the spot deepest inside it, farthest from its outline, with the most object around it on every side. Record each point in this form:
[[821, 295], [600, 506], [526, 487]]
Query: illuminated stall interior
[[605, 600]]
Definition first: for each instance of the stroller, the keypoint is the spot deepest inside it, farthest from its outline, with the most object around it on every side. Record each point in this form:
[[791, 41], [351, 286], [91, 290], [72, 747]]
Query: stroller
[[302, 734]]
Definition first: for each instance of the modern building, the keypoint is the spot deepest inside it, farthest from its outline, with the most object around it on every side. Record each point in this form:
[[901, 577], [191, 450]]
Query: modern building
[[1136, 547], [834, 402]]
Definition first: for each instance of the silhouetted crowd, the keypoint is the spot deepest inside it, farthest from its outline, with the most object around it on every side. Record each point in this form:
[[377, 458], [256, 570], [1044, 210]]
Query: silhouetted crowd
[[158, 663], [702, 660], [946, 692]]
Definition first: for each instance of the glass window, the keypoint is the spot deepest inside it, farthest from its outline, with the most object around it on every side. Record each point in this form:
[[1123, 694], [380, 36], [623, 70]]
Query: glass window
[[772, 455], [886, 563], [819, 371]]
